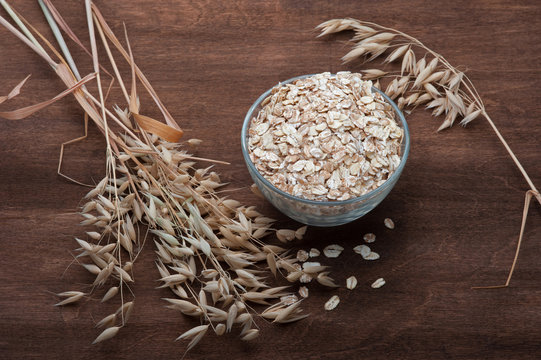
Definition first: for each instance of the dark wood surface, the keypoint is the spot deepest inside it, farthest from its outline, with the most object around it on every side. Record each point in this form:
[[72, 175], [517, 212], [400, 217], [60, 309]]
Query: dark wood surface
[[457, 206]]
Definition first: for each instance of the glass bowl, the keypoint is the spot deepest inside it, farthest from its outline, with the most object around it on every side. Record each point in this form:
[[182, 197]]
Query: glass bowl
[[322, 213]]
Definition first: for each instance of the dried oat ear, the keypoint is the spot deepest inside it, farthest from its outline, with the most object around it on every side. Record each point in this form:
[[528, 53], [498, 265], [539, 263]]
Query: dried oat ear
[[351, 282], [431, 81], [210, 249]]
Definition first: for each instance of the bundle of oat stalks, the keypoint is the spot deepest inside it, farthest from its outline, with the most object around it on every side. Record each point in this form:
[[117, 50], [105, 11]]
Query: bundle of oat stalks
[[209, 248], [430, 81]]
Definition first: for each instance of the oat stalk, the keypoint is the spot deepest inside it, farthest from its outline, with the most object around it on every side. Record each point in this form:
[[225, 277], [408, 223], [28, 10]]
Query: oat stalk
[[431, 81], [210, 250]]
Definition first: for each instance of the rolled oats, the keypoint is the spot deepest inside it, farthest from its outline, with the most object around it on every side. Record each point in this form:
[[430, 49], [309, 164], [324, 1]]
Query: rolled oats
[[332, 303], [362, 250], [325, 137], [369, 238], [378, 283], [366, 252], [333, 251], [389, 223], [351, 282], [372, 256], [302, 255], [305, 278]]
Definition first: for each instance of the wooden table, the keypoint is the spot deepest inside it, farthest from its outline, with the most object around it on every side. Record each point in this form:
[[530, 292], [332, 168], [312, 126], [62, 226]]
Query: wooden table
[[457, 206]]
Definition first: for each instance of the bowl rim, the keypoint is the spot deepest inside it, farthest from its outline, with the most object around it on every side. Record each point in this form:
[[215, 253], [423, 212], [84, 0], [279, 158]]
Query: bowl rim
[[250, 164]]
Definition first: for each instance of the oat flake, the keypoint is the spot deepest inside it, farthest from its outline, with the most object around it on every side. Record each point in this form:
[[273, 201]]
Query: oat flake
[[369, 238], [333, 251], [389, 223], [332, 303], [351, 282], [302, 255], [378, 283]]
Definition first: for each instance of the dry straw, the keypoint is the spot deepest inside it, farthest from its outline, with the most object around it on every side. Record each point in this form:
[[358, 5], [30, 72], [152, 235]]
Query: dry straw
[[209, 249], [429, 81]]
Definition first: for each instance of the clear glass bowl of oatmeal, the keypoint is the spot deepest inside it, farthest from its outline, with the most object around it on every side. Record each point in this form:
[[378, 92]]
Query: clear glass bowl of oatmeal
[[322, 212]]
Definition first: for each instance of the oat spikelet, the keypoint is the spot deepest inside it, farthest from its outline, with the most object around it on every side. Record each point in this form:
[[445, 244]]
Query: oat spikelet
[[196, 334], [106, 334], [71, 297], [338, 25], [210, 250]]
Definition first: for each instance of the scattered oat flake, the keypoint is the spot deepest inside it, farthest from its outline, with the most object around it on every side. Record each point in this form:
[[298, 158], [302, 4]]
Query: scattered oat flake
[[362, 250], [333, 251], [369, 238], [305, 278], [372, 256], [332, 303], [378, 283], [302, 255], [351, 282], [303, 291], [389, 223], [314, 252]]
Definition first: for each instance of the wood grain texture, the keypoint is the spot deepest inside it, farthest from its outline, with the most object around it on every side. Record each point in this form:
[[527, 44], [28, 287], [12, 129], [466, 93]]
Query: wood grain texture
[[457, 207]]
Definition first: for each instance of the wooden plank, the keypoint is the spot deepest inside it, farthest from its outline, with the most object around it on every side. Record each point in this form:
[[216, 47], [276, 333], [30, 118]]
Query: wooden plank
[[457, 206]]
